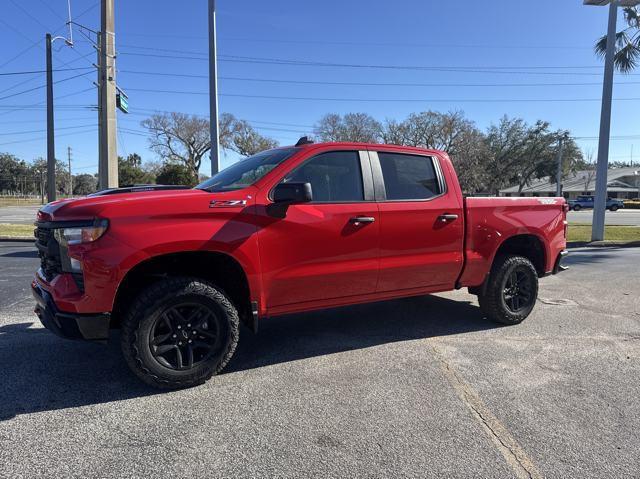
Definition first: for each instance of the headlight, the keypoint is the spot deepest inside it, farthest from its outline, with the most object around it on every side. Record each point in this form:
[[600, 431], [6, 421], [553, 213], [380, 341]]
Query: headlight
[[81, 234]]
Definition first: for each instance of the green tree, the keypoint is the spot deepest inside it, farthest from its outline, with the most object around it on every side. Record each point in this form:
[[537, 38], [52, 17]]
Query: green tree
[[131, 172], [175, 174], [84, 184], [521, 152], [627, 47], [39, 165]]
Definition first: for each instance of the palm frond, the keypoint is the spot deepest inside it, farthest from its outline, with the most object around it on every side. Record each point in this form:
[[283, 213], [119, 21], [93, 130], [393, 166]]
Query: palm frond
[[632, 16], [601, 46], [627, 58]]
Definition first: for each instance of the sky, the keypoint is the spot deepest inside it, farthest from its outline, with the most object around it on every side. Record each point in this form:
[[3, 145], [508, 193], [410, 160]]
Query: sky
[[387, 59]]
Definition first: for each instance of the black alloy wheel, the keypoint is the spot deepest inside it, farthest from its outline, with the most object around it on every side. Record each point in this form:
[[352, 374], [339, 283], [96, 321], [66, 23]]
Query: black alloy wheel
[[184, 336], [509, 293], [179, 332], [517, 292]]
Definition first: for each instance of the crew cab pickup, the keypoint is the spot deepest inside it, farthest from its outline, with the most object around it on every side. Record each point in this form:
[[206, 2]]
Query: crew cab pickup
[[587, 201], [287, 230]]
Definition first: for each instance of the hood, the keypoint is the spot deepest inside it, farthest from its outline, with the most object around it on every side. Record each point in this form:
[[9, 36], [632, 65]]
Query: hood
[[135, 202]]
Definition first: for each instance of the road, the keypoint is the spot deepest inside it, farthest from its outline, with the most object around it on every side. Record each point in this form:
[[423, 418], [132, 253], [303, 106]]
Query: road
[[22, 215], [27, 214], [620, 217], [422, 387]]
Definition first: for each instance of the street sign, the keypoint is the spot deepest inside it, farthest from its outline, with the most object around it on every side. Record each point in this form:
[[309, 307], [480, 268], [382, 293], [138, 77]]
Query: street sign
[[122, 101]]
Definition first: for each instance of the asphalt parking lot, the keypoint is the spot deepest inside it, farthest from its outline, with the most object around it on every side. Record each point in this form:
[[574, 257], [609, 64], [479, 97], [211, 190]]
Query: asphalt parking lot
[[422, 387]]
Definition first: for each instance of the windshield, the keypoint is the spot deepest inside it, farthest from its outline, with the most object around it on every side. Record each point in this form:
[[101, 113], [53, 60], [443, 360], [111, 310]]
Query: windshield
[[246, 172]]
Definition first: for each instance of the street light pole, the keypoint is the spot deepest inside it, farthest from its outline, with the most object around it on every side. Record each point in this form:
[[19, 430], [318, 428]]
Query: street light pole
[[213, 91], [51, 147], [600, 201]]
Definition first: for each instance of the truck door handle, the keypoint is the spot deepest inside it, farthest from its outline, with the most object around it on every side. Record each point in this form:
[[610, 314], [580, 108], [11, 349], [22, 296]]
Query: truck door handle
[[447, 217], [358, 220]]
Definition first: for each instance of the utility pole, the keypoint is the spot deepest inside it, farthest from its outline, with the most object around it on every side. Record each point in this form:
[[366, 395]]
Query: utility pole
[[559, 160], [51, 147], [70, 177], [600, 201], [107, 149], [213, 91]]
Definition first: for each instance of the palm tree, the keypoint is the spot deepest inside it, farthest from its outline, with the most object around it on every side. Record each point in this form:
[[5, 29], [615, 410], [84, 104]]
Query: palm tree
[[627, 47]]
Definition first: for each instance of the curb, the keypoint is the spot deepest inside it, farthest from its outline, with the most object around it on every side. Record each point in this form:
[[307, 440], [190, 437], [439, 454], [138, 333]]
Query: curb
[[21, 239], [603, 244]]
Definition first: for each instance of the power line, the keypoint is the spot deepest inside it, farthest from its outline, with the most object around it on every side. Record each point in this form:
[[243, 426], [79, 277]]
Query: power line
[[41, 120], [37, 42], [491, 70], [368, 44], [416, 100], [42, 86], [41, 131], [33, 72], [26, 12], [354, 65], [43, 139], [344, 83]]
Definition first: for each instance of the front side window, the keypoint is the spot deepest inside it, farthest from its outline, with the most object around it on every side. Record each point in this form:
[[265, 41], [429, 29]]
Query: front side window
[[246, 172], [335, 177], [409, 177]]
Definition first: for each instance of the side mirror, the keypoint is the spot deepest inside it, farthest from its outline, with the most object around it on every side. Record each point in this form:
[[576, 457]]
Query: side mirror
[[286, 194], [292, 193]]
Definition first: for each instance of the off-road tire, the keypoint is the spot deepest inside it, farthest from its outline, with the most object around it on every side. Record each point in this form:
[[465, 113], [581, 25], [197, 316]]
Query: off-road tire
[[141, 317], [492, 298]]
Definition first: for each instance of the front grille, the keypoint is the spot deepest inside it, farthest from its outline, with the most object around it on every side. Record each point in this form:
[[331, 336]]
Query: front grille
[[49, 252]]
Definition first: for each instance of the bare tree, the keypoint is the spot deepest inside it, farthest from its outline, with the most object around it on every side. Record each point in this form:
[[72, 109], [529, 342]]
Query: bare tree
[[450, 132], [184, 139], [245, 140], [179, 138], [357, 127], [589, 171]]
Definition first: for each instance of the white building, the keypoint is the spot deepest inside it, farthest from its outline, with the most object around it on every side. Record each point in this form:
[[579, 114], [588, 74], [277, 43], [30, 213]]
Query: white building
[[623, 183]]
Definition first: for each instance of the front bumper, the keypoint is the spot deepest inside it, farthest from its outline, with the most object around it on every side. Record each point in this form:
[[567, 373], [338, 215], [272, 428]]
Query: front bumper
[[69, 325]]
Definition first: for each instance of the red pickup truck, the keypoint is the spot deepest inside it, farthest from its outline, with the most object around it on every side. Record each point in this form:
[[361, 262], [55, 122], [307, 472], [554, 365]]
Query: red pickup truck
[[287, 230]]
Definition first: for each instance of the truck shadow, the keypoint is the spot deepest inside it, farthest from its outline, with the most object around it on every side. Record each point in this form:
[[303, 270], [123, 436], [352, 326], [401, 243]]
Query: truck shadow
[[40, 372], [299, 336]]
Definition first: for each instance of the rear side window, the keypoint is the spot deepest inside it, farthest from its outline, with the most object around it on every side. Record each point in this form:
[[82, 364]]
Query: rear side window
[[409, 177], [334, 176]]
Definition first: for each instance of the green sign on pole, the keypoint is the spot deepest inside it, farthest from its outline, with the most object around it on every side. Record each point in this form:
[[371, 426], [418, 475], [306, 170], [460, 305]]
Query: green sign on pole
[[122, 101]]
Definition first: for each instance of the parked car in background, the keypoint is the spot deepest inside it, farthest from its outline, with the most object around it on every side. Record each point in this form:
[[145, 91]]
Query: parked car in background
[[586, 202]]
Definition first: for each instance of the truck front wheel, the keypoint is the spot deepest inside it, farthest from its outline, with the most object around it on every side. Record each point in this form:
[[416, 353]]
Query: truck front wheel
[[511, 290], [179, 332]]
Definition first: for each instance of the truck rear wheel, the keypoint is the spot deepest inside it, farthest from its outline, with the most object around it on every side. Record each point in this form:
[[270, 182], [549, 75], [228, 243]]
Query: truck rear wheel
[[511, 290], [179, 332]]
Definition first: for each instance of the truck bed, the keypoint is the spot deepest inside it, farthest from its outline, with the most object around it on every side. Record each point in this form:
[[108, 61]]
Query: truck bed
[[489, 220]]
